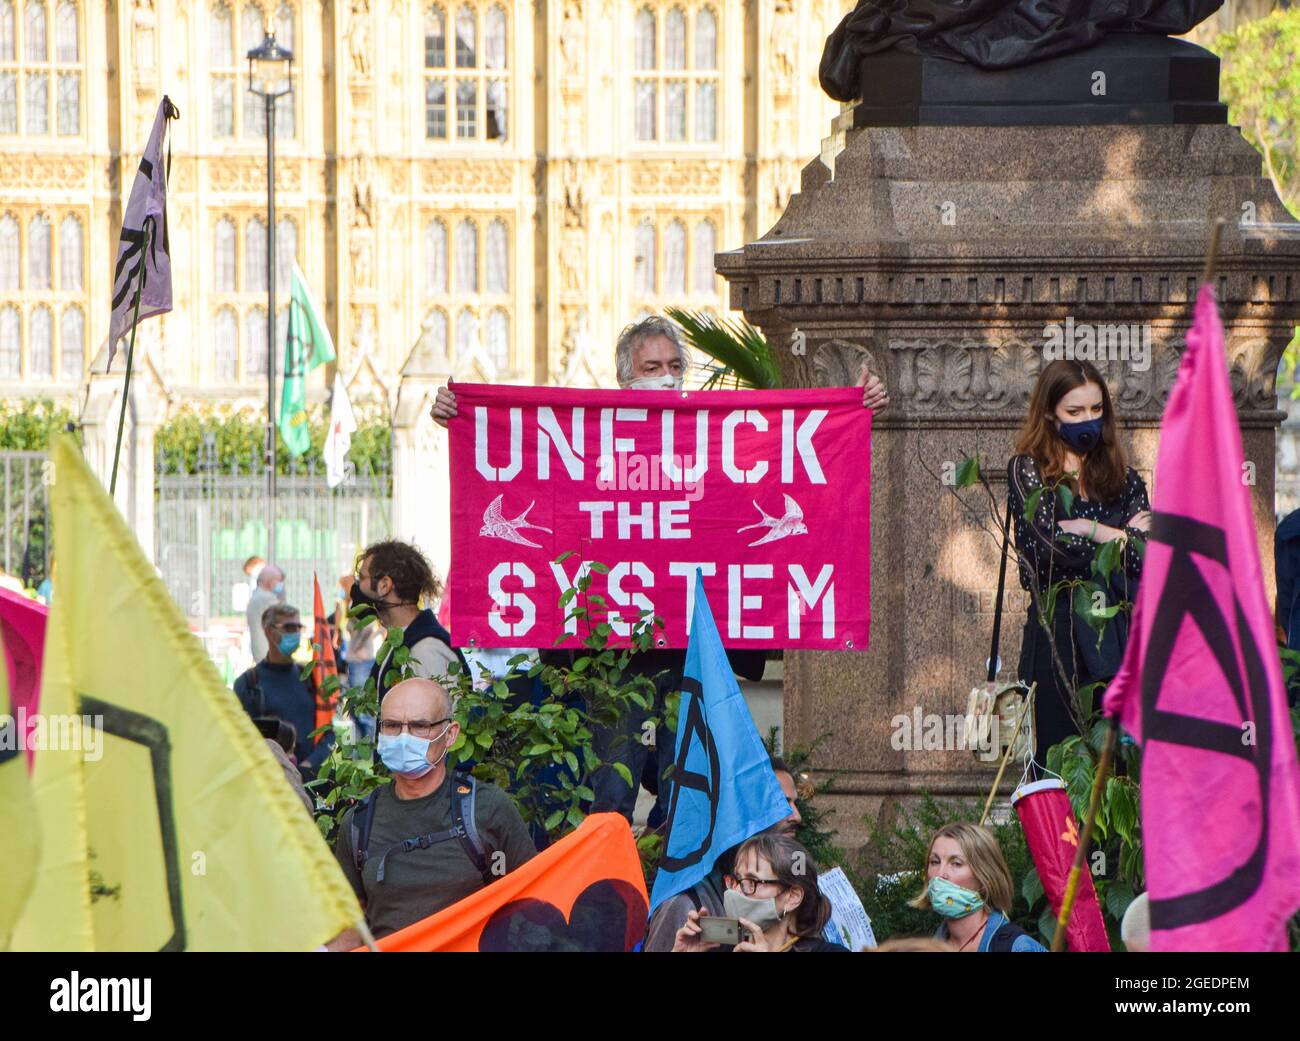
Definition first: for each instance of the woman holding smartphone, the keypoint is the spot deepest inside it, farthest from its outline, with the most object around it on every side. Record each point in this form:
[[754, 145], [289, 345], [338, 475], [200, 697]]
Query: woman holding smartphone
[[1071, 471]]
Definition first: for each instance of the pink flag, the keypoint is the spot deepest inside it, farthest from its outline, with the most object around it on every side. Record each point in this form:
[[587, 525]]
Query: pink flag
[[146, 207], [22, 623], [767, 493], [1201, 685]]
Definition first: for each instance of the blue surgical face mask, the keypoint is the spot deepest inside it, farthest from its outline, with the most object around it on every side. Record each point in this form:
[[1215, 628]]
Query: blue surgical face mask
[[951, 900], [1082, 437], [407, 755], [289, 643], [278, 589]]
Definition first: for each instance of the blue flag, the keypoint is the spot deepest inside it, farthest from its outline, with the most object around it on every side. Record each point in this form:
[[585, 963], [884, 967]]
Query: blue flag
[[723, 787]]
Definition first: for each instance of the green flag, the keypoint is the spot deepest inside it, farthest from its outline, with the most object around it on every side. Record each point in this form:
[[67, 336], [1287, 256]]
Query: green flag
[[307, 345]]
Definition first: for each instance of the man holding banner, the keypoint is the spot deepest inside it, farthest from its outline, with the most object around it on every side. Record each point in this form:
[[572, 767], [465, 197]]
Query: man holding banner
[[650, 355]]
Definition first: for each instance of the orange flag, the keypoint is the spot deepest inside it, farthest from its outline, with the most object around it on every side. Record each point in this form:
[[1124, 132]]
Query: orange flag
[[325, 663], [585, 893]]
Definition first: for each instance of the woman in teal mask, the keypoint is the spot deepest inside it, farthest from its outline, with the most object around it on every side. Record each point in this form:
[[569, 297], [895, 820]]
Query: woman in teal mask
[[971, 889]]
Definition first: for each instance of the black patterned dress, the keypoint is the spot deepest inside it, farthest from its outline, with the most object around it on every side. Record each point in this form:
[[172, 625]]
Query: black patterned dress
[[1048, 556]]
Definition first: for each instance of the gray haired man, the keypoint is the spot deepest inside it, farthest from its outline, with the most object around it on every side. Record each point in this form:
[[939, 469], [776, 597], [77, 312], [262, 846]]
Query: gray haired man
[[650, 355]]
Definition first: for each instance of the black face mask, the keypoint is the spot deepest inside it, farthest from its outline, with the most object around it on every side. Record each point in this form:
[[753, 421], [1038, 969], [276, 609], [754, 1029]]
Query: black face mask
[[360, 598]]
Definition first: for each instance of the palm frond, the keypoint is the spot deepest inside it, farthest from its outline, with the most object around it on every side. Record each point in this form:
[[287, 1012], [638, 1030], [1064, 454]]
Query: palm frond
[[744, 358]]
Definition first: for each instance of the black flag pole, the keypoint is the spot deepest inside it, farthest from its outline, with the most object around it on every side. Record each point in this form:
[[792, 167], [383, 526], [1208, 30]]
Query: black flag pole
[[130, 354]]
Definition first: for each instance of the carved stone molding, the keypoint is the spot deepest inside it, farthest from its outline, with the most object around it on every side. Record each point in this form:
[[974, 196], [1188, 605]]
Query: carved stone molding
[[467, 175], [669, 177], [248, 174], [44, 171]]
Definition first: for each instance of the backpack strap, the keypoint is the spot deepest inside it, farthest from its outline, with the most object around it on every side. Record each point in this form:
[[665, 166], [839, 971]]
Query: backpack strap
[[363, 819], [1005, 937], [255, 700], [463, 790]]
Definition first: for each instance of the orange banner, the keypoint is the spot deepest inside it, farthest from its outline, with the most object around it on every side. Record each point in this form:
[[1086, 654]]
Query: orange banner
[[585, 893], [325, 662]]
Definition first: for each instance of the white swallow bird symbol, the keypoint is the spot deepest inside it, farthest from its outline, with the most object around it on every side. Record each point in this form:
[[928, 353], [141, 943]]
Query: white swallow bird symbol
[[791, 524], [496, 526]]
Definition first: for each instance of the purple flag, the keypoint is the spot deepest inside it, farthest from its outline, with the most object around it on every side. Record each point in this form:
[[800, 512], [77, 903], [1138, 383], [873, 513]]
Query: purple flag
[[1201, 685], [147, 208]]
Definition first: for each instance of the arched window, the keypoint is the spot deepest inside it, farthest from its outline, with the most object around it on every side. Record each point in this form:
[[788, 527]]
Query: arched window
[[435, 85], [466, 258], [498, 257], [645, 39], [498, 339], [226, 353], [675, 39], [36, 45], [66, 44], [7, 36], [467, 336], [466, 38], [435, 38], [435, 259], [284, 35], [41, 350], [255, 255], [224, 261], [252, 31], [706, 112], [72, 344], [675, 259], [255, 342], [38, 252], [70, 258], [706, 245], [435, 332], [494, 38], [286, 253], [706, 40], [643, 271], [221, 56], [10, 253], [11, 343]]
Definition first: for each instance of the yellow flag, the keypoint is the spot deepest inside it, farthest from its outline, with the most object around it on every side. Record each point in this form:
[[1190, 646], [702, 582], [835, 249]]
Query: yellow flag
[[192, 837], [17, 816]]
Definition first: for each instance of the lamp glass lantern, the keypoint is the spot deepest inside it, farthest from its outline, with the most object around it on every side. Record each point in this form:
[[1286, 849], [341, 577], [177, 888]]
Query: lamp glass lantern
[[270, 69]]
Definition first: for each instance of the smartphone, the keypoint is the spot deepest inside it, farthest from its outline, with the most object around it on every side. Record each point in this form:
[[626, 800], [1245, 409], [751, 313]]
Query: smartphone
[[722, 930]]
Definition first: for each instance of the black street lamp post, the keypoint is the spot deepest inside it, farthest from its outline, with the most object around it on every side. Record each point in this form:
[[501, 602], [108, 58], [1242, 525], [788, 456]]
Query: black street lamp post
[[270, 76]]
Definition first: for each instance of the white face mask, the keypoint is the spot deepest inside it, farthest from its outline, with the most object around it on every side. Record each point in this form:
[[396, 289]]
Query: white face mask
[[656, 383]]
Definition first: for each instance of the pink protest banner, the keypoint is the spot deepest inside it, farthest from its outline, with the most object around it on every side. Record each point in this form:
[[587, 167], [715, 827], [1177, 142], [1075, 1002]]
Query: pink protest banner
[[767, 492], [22, 624], [1201, 685]]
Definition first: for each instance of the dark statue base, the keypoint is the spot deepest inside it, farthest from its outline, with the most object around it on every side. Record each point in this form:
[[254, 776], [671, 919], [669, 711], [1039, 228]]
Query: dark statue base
[[1152, 80]]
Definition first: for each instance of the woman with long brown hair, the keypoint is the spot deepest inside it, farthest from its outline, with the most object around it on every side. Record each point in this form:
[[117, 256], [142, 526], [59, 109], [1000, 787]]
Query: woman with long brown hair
[[1068, 453]]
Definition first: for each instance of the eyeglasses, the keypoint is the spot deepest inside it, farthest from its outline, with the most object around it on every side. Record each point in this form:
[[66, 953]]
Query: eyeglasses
[[289, 627], [421, 728], [749, 885]]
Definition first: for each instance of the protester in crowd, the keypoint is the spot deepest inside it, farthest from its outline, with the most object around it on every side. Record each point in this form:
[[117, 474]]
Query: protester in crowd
[[252, 568], [1070, 436], [1135, 926], [269, 590], [912, 945], [1286, 559], [291, 773], [45, 591], [361, 637], [651, 355], [970, 887], [432, 837], [392, 577], [707, 894], [774, 895], [274, 688]]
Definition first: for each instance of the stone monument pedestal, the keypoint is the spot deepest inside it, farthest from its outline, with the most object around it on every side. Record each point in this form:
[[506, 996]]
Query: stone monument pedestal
[[940, 256]]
